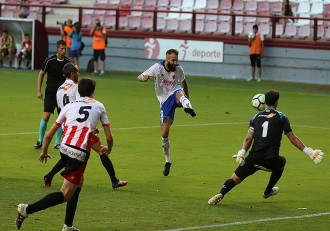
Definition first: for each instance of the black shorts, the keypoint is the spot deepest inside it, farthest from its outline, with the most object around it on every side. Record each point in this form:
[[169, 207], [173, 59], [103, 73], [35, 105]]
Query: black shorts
[[50, 102], [99, 53], [255, 59], [252, 165]]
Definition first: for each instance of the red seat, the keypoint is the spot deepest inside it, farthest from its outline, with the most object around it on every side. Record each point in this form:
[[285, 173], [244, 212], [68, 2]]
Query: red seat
[[199, 26], [134, 22], [225, 5], [224, 28], [225, 17], [185, 25], [304, 32], [147, 23], [277, 7], [290, 31], [238, 28], [175, 3], [163, 2], [279, 30], [123, 22], [210, 26], [251, 5], [161, 24], [150, 2], [249, 19], [212, 4], [109, 21], [100, 11], [264, 6], [264, 29], [172, 24], [87, 20], [138, 2], [260, 20], [238, 5]]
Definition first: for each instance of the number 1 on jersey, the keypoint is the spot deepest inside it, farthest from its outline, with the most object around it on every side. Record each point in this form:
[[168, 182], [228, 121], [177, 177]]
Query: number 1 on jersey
[[265, 129]]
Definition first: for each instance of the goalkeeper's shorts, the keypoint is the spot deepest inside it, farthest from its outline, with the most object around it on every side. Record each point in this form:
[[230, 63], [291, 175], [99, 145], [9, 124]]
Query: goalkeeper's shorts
[[252, 165]]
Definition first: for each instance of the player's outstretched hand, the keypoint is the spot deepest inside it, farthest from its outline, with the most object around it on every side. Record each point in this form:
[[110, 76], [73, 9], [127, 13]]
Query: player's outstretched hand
[[240, 160], [315, 155], [43, 157]]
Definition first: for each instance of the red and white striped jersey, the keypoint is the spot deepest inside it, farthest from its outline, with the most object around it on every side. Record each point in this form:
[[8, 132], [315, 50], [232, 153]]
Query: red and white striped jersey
[[67, 93], [79, 119]]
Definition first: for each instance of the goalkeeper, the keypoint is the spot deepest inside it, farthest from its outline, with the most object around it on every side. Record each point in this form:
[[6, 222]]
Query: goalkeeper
[[265, 130]]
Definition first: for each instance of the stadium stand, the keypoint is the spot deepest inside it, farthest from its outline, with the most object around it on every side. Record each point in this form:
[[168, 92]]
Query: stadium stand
[[216, 20]]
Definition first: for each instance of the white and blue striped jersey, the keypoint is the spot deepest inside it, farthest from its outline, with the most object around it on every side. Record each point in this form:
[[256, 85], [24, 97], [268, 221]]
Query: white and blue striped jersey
[[166, 83]]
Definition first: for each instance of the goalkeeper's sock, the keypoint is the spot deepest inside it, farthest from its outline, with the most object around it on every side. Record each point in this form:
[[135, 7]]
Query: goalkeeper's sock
[[59, 133], [42, 129], [227, 186], [107, 164], [185, 102], [274, 178], [50, 200], [71, 207], [166, 149]]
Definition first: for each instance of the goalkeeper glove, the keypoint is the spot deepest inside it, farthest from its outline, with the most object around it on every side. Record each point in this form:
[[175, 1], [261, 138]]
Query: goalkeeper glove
[[240, 160], [315, 155]]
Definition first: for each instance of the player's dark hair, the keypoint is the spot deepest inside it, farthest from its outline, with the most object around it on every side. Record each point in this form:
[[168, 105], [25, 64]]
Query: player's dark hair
[[68, 69], [271, 97], [27, 34], [59, 43], [255, 26], [86, 87], [170, 51], [4, 31]]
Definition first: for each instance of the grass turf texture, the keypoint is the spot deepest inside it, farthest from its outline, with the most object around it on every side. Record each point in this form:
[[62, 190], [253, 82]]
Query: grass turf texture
[[201, 151]]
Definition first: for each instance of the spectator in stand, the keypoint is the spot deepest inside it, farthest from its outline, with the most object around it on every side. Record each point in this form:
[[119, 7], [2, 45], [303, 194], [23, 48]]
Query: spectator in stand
[[24, 9], [76, 36], [26, 52], [66, 29], [99, 34], [7, 47], [287, 11]]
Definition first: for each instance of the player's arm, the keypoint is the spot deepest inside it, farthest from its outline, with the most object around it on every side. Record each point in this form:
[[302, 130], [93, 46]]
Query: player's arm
[[185, 87], [109, 137], [40, 81], [48, 138], [143, 78], [240, 159], [315, 155]]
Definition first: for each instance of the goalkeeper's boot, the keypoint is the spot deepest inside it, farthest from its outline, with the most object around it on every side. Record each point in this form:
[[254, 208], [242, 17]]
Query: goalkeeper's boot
[[38, 145], [274, 191], [48, 180], [119, 183], [215, 199], [67, 228], [167, 167], [21, 208]]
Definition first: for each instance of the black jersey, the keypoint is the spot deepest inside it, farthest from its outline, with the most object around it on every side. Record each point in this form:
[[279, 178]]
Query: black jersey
[[268, 127], [54, 67]]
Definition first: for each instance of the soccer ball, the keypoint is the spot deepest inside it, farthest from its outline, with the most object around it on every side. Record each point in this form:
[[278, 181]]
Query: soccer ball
[[258, 102], [251, 35]]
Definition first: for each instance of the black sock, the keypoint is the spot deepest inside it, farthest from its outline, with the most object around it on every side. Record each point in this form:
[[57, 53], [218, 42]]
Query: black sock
[[274, 177], [71, 207], [227, 186], [57, 167], [109, 167], [50, 200]]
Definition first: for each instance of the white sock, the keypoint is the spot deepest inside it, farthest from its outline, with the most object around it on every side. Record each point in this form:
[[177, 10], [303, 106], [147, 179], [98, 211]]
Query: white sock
[[166, 149], [185, 102]]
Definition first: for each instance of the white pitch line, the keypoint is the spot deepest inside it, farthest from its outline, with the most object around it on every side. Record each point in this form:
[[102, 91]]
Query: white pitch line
[[178, 125], [250, 222]]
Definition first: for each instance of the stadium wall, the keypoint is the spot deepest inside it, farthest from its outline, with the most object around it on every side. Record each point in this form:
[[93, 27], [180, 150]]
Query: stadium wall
[[279, 64]]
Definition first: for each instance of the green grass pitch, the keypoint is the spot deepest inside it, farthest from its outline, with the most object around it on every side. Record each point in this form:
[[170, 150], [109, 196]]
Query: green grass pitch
[[201, 151]]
